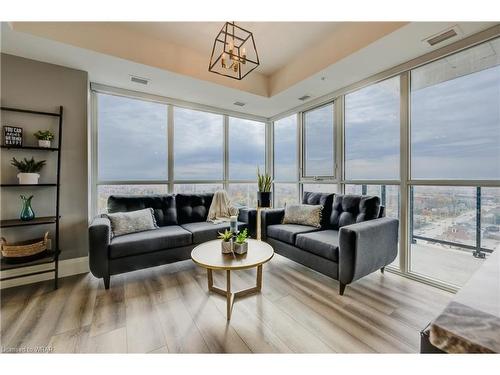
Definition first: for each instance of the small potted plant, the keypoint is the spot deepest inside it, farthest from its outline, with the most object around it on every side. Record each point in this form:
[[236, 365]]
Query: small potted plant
[[44, 137], [227, 241], [240, 243], [28, 170], [264, 194]]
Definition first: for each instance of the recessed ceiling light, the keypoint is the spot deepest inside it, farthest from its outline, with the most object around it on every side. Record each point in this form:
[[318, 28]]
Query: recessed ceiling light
[[323, 78], [239, 104], [304, 97]]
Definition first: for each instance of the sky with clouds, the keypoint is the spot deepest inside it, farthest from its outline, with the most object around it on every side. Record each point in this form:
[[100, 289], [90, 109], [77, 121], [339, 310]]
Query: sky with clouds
[[132, 143], [455, 134]]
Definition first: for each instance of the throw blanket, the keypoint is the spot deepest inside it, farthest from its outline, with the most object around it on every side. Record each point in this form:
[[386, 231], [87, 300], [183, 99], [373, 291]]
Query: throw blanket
[[221, 209]]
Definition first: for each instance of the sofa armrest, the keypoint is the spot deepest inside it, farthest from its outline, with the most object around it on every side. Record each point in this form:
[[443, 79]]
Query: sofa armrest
[[249, 216], [99, 239], [366, 247], [270, 217]]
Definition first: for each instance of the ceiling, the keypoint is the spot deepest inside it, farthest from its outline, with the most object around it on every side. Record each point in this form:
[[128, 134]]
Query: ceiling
[[337, 61], [150, 45], [277, 42]]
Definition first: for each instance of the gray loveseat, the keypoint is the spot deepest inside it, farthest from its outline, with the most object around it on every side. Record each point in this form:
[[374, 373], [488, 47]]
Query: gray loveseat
[[182, 225], [355, 239]]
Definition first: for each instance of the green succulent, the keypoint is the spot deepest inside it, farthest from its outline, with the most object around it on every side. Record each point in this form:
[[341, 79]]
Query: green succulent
[[44, 135], [226, 236], [242, 237], [264, 181], [28, 166]]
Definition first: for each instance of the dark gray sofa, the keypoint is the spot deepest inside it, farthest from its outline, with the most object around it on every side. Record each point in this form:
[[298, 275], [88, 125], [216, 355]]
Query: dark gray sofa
[[355, 238], [182, 225]]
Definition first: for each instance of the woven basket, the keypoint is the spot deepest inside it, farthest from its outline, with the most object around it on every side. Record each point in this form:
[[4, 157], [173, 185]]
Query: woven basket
[[24, 248]]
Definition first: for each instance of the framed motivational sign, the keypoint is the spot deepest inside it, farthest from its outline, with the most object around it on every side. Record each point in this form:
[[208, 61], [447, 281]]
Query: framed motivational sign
[[12, 136]]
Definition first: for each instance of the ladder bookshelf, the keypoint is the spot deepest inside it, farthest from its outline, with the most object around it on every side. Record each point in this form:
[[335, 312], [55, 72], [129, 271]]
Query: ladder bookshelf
[[52, 255]]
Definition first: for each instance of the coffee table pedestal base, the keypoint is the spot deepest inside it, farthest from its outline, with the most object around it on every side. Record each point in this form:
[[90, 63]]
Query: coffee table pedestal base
[[230, 296]]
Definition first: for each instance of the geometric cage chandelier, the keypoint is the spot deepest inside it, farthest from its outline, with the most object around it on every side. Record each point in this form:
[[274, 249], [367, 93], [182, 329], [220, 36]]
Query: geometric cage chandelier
[[234, 54]]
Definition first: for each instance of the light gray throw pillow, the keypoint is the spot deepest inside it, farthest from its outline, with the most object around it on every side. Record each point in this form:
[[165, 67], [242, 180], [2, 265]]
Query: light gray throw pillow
[[132, 221], [303, 214]]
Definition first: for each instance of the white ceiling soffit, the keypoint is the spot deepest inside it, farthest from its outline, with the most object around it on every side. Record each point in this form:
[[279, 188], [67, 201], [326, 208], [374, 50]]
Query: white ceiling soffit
[[397, 47]]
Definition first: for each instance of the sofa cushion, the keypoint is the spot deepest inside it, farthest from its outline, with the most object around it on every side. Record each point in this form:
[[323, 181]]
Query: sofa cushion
[[287, 232], [350, 209], [324, 243], [131, 222], [204, 231], [192, 207], [163, 206], [324, 199], [303, 214], [149, 241]]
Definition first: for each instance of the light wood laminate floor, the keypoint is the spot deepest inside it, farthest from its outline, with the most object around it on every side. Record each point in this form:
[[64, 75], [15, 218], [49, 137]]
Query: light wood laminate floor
[[167, 309]]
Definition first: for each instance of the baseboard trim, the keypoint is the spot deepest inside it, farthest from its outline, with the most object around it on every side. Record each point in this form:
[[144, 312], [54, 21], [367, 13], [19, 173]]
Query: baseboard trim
[[68, 267]]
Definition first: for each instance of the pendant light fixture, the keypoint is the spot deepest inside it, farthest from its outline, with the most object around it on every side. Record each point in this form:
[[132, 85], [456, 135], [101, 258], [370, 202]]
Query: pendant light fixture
[[234, 54]]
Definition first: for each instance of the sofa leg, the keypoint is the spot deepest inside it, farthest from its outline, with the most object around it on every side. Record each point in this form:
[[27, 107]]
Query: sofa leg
[[382, 269], [106, 280], [341, 288]]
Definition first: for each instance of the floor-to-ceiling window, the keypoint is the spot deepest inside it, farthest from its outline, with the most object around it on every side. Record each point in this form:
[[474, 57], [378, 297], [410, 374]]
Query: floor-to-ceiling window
[[426, 141], [140, 151], [247, 153], [372, 144], [372, 121], [198, 151], [198, 145], [131, 148], [455, 157], [286, 176]]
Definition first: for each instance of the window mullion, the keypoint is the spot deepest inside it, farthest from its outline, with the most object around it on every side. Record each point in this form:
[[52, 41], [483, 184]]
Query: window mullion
[[170, 147], [404, 172]]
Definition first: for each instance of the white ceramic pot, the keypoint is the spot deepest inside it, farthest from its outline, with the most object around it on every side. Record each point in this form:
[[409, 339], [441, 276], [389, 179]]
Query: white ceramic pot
[[240, 248], [43, 143], [226, 247], [28, 178]]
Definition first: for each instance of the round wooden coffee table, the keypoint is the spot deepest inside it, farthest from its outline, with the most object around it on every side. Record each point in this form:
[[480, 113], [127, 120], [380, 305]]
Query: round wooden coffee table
[[208, 255]]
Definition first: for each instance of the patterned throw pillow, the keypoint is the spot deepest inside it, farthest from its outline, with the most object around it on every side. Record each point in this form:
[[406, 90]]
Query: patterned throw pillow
[[303, 214], [132, 222]]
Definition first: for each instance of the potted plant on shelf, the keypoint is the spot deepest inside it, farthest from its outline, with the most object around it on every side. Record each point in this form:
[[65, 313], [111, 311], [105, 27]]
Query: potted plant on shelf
[[227, 241], [44, 137], [28, 170], [241, 244], [264, 194]]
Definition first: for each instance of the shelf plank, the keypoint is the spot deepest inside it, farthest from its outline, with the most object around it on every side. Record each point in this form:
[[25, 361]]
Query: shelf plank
[[20, 223], [49, 258], [11, 109], [24, 185], [35, 148]]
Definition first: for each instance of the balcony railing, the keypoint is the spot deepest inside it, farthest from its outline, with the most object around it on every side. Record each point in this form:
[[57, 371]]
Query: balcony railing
[[477, 250]]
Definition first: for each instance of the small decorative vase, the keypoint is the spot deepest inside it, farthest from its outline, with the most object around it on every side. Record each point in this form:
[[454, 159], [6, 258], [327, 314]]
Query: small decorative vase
[[43, 143], [264, 199], [241, 248], [28, 178], [233, 224], [27, 213], [226, 247]]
